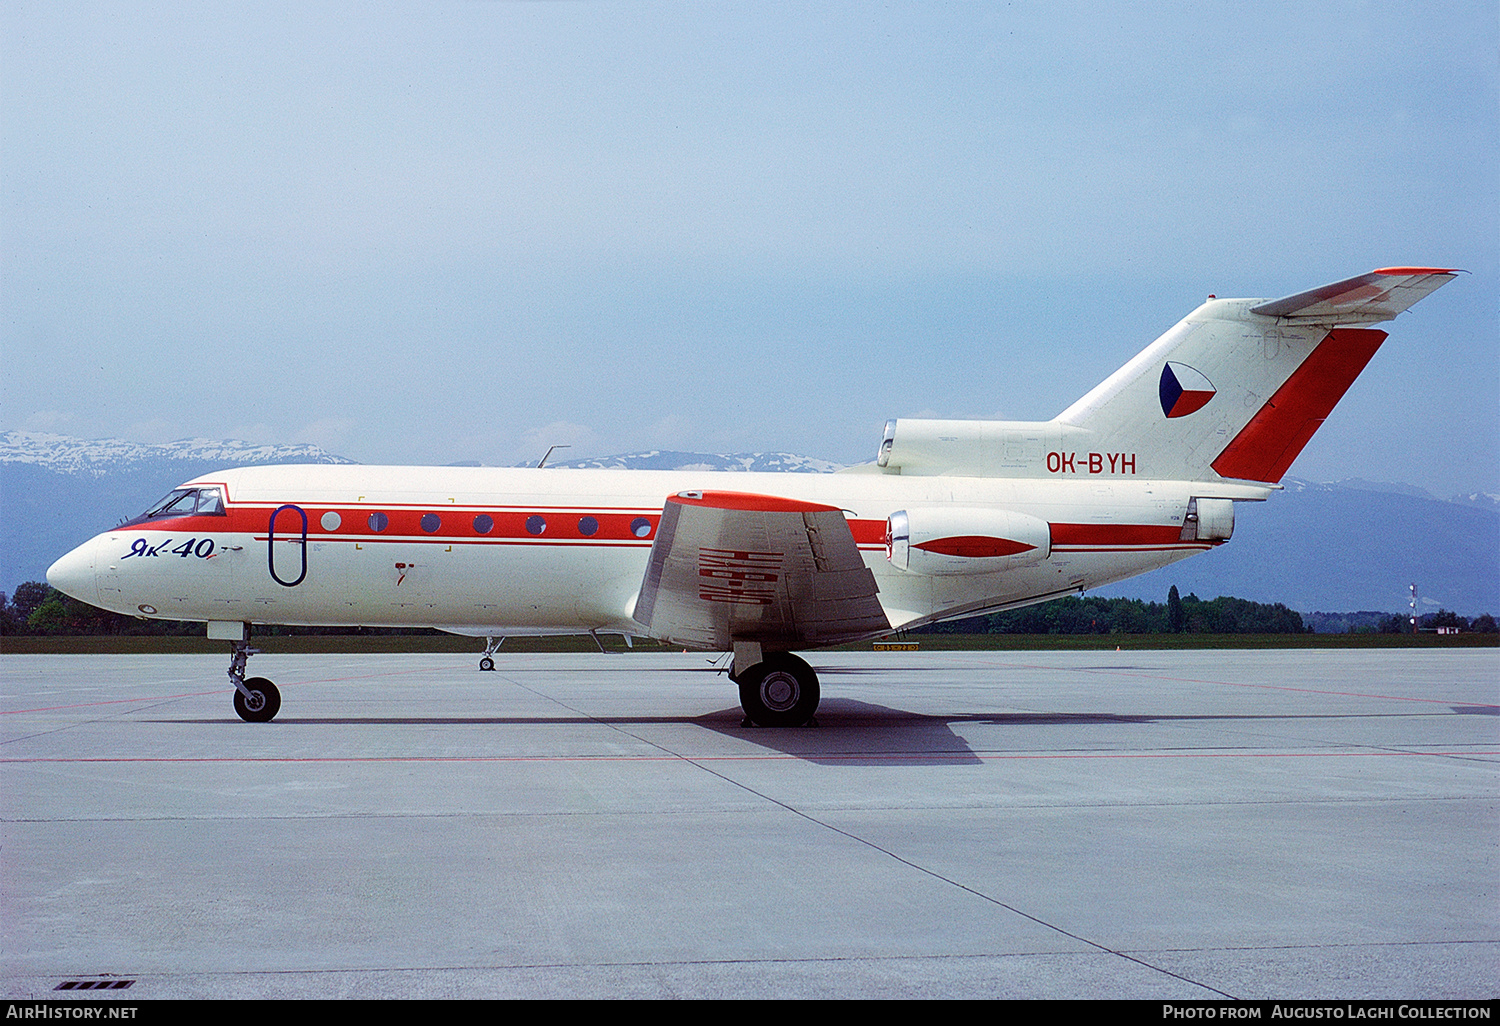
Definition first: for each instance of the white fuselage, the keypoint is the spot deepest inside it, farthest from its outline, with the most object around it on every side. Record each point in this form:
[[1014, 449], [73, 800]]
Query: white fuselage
[[491, 551]]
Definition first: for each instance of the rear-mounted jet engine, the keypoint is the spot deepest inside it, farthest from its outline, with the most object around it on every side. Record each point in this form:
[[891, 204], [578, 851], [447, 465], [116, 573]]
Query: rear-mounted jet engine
[[951, 541]]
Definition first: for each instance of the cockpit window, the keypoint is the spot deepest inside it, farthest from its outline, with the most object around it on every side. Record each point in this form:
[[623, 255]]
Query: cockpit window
[[173, 504], [210, 504], [184, 502]]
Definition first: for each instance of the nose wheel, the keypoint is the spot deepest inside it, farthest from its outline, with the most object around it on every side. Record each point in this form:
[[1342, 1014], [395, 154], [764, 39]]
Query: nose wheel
[[261, 704]]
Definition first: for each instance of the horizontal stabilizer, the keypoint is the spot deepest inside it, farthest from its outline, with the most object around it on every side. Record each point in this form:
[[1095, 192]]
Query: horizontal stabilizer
[[731, 566], [1367, 299]]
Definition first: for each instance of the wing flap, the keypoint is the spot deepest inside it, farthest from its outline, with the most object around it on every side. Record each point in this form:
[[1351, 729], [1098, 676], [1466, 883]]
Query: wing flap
[[732, 566], [1367, 299]]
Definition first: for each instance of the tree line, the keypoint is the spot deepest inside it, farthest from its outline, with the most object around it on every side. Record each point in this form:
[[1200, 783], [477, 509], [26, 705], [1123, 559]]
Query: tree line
[[1095, 615], [1179, 615], [39, 609]]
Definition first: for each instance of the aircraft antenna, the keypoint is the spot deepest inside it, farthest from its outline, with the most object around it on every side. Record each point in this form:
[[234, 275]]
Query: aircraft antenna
[[542, 464]]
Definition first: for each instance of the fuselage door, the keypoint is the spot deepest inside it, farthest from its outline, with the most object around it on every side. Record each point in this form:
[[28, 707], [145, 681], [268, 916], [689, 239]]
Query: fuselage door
[[286, 545]]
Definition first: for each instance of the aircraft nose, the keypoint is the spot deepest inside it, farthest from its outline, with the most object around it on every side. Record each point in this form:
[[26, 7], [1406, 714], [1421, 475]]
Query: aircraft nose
[[73, 574]]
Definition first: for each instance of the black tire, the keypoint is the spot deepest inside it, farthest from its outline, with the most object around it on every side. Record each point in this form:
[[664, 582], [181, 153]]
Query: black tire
[[263, 707], [781, 691], [486, 663]]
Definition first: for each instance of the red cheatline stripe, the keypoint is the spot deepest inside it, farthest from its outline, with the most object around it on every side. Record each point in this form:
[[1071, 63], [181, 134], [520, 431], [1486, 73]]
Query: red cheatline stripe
[[1199, 546], [404, 524], [449, 540], [1114, 534]]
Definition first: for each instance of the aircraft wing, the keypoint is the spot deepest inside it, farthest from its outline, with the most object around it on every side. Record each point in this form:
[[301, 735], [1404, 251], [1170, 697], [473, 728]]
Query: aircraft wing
[[733, 566], [1367, 299]]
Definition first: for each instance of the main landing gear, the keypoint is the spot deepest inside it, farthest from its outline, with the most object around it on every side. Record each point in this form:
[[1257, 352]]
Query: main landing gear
[[776, 690], [256, 700]]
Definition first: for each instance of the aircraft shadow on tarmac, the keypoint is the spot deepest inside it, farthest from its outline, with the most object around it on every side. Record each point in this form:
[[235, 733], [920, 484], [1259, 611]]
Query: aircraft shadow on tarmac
[[851, 733], [845, 731]]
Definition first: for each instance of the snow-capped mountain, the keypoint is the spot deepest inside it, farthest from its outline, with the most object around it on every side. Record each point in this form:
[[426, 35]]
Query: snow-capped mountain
[[64, 455], [663, 459], [1481, 500]]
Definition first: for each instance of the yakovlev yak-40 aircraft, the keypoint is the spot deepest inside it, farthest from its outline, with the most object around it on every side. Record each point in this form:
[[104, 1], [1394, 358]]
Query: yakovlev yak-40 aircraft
[[953, 519]]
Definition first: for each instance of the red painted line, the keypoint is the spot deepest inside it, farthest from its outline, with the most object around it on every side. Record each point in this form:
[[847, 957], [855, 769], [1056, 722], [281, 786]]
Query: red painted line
[[113, 701], [1264, 687], [217, 691], [778, 757]]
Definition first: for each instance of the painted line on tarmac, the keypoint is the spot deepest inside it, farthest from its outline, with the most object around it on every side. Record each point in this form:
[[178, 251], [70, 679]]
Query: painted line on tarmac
[[862, 757], [1236, 684]]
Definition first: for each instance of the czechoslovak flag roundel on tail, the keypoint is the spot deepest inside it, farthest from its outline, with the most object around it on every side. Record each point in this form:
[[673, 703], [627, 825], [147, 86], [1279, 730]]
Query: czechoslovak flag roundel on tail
[[1183, 390]]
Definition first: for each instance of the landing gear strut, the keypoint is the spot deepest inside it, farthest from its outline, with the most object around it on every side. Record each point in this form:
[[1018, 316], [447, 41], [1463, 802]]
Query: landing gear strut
[[255, 700], [780, 690], [491, 646]]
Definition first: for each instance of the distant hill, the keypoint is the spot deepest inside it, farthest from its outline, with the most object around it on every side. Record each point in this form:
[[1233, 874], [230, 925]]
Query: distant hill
[[1342, 547], [1355, 545]]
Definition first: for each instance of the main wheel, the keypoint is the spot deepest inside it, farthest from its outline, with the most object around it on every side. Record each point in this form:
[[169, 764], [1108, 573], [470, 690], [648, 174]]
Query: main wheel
[[781, 691], [262, 705], [486, 663]]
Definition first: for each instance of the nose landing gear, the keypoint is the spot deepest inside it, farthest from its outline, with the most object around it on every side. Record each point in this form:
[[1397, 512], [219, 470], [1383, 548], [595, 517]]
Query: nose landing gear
[[491, 646], [255, 700]]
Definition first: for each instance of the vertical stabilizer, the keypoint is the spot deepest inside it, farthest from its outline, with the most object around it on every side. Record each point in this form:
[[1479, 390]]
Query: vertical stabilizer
[[1238, 388]]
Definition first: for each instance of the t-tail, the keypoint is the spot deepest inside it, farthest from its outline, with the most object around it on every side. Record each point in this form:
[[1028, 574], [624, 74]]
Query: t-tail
[[1231, 393]]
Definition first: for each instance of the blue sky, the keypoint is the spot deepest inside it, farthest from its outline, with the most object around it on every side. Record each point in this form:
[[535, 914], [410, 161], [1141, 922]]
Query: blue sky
[[441, 232]]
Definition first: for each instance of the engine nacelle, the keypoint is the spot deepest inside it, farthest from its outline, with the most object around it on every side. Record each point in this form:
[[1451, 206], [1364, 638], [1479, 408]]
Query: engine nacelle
[[959, 540], [1208, 520]]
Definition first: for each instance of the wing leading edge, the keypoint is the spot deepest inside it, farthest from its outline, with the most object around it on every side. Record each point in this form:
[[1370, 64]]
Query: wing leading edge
[[733, 566]]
